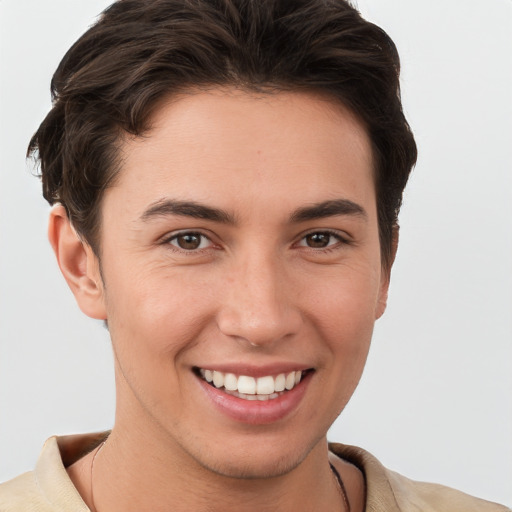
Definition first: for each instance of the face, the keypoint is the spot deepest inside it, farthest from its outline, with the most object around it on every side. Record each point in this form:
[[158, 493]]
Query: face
[[240, 246]]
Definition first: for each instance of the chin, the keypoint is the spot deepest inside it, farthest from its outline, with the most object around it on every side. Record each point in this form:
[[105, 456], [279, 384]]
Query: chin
[[264, 467], [260, 460]]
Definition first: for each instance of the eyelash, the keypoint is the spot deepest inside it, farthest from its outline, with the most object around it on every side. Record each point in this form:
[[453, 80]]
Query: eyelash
[[181, 250], [341, 241]]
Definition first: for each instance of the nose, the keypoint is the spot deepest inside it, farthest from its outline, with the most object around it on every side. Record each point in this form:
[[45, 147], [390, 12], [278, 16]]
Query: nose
[[258, 304]]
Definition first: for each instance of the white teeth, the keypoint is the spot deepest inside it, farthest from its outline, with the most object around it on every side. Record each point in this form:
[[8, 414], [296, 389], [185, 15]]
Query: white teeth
[[246, 385], [265, 385], [280, 382], [218, 379], [290, 381], [250, 388], [230, 382], [253, 397]]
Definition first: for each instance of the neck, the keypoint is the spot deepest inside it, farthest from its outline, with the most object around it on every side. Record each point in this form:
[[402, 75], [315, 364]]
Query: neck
[[132, 475]]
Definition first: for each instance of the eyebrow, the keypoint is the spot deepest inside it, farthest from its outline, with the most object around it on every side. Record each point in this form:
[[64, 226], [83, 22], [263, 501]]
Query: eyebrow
[[165, 207], [331, 208], [328, 209]]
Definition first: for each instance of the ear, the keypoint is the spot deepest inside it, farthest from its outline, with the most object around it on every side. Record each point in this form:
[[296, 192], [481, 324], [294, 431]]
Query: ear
[[78, 264], [386, 275]]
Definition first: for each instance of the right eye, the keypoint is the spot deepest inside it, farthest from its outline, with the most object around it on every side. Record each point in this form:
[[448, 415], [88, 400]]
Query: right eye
[[190, 241]]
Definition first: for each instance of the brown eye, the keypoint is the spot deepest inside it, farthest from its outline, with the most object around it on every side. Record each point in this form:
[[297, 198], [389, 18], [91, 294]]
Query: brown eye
[[189, 241], [322, 240], [318, 240]]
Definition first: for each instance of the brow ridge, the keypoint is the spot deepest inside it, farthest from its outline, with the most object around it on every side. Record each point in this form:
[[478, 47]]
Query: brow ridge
[[165, 207], [328, 208]]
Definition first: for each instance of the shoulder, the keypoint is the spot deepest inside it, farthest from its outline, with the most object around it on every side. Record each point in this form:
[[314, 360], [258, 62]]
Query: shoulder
[[412, 495], [390, 491], [23, 493], [48, 488]]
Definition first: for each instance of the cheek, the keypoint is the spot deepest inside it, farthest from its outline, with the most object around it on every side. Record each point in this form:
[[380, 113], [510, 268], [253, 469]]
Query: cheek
[[347, 300], [155, 315], [343, 320], [343, 313], [153, 323]]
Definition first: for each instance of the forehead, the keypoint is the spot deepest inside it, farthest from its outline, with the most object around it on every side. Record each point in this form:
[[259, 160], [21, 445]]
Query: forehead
[[229, 144]]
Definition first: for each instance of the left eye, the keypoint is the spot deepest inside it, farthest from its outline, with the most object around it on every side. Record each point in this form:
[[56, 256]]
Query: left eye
[[190, 241], [320, 240]]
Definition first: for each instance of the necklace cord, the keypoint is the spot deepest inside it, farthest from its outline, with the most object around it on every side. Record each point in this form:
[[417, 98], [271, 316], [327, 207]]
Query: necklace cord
[[92, 468], [341, 486]]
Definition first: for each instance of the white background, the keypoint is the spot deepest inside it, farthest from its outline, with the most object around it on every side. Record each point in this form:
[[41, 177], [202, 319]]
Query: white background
[[435, 402]]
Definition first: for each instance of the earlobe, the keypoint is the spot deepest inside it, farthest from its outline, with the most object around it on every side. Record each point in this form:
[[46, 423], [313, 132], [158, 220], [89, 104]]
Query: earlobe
[[386, 276], [383, 300], [78, 264]]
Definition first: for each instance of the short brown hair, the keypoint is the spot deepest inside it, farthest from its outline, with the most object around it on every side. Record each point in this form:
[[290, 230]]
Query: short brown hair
[[142, 50]]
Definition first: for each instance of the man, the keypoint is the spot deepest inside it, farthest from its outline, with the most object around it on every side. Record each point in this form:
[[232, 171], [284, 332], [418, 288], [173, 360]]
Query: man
[[226, 179]]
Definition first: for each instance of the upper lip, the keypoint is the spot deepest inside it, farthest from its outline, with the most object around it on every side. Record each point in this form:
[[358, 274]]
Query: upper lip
[[252, 370]]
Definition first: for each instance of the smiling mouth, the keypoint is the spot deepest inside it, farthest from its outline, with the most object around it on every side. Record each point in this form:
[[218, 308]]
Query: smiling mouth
[[264, 388]]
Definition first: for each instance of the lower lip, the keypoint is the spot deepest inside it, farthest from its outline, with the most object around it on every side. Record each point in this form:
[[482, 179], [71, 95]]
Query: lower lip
[[256, 412]]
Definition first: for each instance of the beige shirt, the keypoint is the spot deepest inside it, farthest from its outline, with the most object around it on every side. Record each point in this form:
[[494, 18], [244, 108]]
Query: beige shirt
[[49, 489]]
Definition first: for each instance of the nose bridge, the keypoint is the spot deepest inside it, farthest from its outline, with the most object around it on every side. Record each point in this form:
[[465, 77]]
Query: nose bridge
[[257, 304]]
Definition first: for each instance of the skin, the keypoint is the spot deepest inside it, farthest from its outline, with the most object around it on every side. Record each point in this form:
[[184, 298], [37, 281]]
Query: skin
[[256, 292]]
